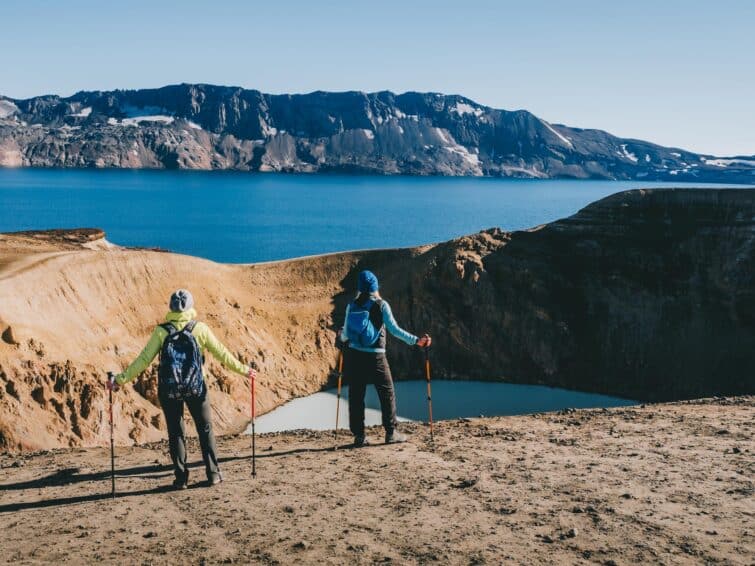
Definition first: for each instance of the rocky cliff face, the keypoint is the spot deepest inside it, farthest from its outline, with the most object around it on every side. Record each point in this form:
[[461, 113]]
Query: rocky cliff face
[[646, 294], [214, 127]]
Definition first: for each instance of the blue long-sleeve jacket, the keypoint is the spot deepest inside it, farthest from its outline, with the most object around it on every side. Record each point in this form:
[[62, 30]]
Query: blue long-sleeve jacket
[[390, 324]]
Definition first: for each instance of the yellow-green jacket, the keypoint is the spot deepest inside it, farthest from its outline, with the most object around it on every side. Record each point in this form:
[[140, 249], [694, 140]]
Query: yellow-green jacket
[[204, 336]]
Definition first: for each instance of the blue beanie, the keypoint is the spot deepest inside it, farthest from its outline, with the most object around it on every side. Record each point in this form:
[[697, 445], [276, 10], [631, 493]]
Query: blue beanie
[[368, 282]]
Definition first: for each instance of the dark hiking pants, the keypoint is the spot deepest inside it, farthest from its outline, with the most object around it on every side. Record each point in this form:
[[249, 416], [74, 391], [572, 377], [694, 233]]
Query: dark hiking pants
[[200, 411], [360, 370]]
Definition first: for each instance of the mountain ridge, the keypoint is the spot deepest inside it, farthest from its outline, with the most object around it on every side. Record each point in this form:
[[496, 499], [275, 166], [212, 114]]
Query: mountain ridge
[[202, 126]]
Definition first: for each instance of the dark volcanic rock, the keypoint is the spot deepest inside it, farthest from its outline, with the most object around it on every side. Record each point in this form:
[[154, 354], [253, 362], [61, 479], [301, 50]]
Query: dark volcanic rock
[[215, 127], [647, 294]]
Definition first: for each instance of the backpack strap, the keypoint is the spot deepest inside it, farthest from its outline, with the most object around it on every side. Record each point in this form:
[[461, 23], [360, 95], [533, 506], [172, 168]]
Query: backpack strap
[[190, 329], [168, 327]]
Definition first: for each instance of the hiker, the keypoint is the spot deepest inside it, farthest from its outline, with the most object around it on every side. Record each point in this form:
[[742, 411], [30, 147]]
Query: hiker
[[364, 332], [181, 342]]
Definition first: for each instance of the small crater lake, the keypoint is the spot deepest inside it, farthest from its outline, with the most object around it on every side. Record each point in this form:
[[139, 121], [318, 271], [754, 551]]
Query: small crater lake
[[451, 400]]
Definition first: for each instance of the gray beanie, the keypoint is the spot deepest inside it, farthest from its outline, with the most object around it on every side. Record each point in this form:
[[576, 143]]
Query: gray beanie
[[181, 301]]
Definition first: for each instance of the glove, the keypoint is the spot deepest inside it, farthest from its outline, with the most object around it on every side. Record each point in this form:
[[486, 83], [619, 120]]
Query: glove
[[112, 384], [340, 344]]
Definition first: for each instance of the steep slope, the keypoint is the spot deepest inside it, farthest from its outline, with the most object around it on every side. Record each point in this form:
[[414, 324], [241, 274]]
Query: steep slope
[[215, 127], [645, 294]]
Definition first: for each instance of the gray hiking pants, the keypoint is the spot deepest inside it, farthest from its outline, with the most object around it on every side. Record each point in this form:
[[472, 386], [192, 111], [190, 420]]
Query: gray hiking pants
[[202, 414], [360, 370]]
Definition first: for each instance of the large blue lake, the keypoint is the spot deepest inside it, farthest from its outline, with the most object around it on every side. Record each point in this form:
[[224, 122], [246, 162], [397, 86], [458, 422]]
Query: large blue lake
[[243, 217]]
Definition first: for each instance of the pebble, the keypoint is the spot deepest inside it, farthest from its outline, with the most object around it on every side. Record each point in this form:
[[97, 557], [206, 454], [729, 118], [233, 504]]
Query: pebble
[[571, 533], [9, 336]]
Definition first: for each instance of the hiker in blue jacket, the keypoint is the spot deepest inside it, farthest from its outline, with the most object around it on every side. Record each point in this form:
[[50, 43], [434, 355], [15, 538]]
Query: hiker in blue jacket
[[364, 331]]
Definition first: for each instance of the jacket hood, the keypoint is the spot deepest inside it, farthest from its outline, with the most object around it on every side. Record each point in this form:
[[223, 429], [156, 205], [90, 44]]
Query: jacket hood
[[181, 319]]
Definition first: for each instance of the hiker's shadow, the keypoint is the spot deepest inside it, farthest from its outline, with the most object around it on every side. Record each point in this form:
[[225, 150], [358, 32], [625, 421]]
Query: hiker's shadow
[[70, 476], [23, 505], [300, 451]]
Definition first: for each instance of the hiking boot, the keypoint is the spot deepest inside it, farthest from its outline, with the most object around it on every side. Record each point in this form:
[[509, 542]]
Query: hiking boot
[[214, 479], [360, 441], [395, 437], [180, 484]]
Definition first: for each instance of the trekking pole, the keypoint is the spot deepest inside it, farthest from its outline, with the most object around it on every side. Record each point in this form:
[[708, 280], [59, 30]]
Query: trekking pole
[[338, 398], [429, 391], [254, 448], [111, 380]]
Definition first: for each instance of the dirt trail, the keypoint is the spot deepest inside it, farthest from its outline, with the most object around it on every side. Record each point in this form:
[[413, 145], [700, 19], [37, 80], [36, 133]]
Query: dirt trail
[[666, 484]]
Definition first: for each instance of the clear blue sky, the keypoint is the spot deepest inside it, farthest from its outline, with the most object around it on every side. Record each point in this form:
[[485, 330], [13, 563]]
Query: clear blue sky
[[679, 73]]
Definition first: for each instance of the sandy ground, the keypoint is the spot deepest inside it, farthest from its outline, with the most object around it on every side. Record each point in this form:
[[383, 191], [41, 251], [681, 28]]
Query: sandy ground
[[669, 484]]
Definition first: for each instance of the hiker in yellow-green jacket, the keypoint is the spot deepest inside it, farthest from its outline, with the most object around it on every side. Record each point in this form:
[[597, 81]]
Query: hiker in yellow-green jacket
[[181, 342]]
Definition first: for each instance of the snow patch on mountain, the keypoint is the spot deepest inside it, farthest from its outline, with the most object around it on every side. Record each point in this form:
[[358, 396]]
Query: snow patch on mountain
[[558, 135], [83, 113], [159, 118], [464, 153], [136, 114], [628, 154], [727, 162], [442, 135], [462, 108]]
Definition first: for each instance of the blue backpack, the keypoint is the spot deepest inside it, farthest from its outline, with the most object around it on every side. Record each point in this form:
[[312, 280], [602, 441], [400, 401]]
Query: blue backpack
[[360, 328], [179, 374]]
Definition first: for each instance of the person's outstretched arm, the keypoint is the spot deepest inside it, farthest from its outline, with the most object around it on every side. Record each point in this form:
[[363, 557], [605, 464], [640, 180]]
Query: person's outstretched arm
[[144, 358], [392, 326], [207, 340]]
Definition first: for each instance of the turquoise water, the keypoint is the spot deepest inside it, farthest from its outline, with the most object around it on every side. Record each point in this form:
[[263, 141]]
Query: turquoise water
[[243, 217], [451, 399]]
